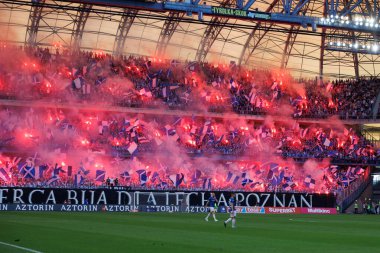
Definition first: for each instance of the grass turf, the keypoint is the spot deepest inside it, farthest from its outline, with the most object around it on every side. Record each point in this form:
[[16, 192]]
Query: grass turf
[[181, 233]]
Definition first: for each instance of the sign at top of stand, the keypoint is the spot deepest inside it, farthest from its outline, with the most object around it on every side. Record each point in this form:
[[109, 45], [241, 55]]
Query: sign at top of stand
[[240, 13]]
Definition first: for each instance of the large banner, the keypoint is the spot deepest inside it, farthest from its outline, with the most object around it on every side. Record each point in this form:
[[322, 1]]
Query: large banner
[[286, 210], [160, 208], [121, 196]]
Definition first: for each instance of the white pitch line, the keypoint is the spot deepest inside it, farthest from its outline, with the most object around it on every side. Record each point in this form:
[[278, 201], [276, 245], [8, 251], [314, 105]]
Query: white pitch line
[[300, 220], [19, 247]]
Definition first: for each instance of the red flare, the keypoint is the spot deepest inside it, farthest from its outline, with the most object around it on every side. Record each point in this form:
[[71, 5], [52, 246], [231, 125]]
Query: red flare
[[191, 142], [27, 135], [85, 142]]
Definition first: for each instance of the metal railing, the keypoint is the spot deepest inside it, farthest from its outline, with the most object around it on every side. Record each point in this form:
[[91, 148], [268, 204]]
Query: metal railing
[[354, 190], [368, 136], [375, 109]]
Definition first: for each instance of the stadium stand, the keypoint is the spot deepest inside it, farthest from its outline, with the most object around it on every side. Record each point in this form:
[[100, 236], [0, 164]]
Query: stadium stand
[[187, 86], [74, 115], [101, 79]]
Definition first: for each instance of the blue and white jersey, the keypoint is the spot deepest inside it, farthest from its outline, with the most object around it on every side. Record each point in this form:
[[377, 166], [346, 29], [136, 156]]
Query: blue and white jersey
[[231, 203], [211, 201]]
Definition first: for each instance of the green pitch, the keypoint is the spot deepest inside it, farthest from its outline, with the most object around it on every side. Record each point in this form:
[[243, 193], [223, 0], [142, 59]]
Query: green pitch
[[181, 233]]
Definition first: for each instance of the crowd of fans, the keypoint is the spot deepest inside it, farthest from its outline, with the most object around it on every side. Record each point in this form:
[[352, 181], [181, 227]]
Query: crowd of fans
[[351, 99], [150, 82], [128, 136], [59, 137], [252, 176]]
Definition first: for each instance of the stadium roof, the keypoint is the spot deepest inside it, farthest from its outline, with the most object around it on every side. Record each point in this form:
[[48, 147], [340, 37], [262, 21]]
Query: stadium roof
[[248, 42]]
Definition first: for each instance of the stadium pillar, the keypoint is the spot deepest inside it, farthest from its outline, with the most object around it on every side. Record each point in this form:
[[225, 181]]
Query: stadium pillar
[[253, 39], [292, 36], [167, 31], [211, 34], [356, 65], [322, 50], [354, 55], [79, 23], [35, 16], [122, 31]]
